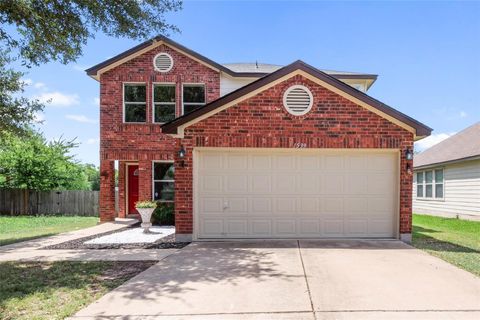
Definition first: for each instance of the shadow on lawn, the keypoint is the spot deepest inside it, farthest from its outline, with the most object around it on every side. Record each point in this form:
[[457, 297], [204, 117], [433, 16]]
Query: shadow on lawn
[[5, 242], [422, 240], [21, 279]]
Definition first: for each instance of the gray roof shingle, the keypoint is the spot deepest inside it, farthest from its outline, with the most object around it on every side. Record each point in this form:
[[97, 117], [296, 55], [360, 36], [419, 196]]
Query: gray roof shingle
[[465, 144]]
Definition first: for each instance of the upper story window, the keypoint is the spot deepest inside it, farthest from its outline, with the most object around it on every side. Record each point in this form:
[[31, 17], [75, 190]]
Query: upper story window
[[134, 102], [193, 97], [430, 184], [163, 102]]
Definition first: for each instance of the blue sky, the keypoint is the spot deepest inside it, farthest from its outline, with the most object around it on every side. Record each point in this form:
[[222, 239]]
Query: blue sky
[[425, 53]]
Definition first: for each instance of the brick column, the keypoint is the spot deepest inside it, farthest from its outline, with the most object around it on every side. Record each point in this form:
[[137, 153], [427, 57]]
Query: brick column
[[145, 180], [184, 192], [107, 190], [122, 211], [406, 189]]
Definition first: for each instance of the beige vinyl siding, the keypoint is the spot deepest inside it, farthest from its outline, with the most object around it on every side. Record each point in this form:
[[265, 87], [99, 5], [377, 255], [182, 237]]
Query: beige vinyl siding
[[461, 192]]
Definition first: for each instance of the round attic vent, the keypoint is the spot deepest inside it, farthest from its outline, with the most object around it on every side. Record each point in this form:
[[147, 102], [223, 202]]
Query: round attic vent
[[298, 100], [163, 62]]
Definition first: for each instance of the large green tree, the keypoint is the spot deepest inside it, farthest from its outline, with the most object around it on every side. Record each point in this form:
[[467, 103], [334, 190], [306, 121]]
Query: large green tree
[[31, 162], [39, 31]]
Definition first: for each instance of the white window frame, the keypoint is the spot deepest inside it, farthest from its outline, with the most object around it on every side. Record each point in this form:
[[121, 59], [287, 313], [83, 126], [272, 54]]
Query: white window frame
[[433, 183], [198, 84], [153, 98], [153, 180], [123, 101]]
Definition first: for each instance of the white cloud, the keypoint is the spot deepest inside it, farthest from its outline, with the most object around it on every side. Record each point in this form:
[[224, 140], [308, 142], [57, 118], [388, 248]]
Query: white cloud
[[96, 101], [432, 140], [80, 118], [58, 99], [40, 85], [93, 141], [463, 114]]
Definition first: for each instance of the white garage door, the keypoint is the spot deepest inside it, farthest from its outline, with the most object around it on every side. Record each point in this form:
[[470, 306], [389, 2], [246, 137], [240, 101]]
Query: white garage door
[[295, 193]]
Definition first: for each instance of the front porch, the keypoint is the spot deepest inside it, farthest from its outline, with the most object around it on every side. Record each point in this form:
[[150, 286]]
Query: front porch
[[124, 182]]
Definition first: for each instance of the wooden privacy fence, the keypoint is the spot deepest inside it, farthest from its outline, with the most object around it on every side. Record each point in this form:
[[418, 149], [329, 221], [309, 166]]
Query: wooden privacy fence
[[29, 202]]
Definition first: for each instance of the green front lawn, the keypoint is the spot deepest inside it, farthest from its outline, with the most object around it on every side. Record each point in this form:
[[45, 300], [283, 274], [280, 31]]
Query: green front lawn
[[15, 229], [453, 240], [56, 290]]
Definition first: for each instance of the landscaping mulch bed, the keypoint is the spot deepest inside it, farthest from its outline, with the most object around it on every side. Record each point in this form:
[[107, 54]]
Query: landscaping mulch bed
[[167, 242]]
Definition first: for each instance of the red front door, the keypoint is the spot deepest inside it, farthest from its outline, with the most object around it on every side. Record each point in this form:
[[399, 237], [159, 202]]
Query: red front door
[[132, 189]]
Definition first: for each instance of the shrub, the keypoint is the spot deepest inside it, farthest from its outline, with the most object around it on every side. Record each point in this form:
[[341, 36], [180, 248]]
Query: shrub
[[145, 204], [164, 214]]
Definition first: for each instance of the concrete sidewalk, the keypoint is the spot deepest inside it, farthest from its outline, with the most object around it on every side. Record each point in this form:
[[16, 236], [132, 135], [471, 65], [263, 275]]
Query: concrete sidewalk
[[295, 280], [33, 250]]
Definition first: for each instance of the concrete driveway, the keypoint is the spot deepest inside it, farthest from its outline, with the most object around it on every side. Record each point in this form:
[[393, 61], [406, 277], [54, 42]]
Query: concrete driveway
[[295, 280]]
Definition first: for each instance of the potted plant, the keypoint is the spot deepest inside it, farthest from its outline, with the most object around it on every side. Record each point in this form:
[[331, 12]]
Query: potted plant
[[146, 208]]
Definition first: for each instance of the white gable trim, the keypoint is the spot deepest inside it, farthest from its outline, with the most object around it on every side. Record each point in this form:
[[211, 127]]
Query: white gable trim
[[154, 45], [181, 129]]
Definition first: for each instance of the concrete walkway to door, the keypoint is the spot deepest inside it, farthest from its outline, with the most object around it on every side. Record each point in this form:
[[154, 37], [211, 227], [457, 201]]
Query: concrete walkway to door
[[295, 280]]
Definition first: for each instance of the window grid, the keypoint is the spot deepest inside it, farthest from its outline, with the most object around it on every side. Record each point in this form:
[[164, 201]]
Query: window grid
[[127, 104], [164, 103], [160, 180], [192, 104], [430, 184]]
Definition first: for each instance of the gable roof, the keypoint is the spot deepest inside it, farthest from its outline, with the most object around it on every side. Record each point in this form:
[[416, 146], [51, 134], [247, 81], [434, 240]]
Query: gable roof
[[463, 145], [418, 128], [234, 70]]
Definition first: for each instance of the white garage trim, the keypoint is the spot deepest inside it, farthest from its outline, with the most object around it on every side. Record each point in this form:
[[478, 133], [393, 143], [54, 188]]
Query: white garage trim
[[290, 215]]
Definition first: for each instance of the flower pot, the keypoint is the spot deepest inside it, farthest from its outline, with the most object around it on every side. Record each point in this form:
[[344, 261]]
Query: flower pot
[[146, 214]]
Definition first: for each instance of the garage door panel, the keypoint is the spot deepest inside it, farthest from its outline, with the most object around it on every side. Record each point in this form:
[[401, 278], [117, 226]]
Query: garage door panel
[[261, 227], [260, 163], [332, 227], [334, 163], [235, 205], [237, 227], [308, 183], [260, 205], [212, 161], [237, 162], [332, 183], [211, 205], [309, 227], [332, 205], [309, 205], [212, 184], [261, 183], [285, 205], [296, 194], [285, 227], [356, 204], [212, 227], [356, 183], [356, 227], [284, 184], [285, 163], [236, 183]]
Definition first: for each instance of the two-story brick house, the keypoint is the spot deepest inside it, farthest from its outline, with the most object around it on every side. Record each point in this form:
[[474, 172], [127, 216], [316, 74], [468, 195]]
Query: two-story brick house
[[252, 150]]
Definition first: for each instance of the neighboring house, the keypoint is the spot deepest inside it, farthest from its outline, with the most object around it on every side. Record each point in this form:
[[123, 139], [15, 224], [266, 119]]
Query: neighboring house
[[253, 150], [447, 177]]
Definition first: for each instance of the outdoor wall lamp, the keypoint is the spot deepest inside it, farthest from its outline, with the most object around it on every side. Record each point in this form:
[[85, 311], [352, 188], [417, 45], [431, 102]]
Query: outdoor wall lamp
[[182, 152], [408, 154], [181, 155]]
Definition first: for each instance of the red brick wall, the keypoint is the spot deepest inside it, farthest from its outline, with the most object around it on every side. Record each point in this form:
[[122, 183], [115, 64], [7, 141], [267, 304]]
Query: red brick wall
[[143, 142], [134, 141], [262, 122]]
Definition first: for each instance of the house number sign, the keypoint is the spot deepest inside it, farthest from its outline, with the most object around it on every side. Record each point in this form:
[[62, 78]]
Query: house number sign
[[299, 145]]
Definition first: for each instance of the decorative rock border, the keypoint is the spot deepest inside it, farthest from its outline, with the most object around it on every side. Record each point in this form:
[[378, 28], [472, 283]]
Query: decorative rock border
[[167, 242]]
